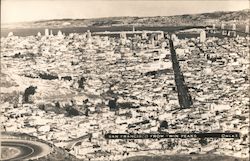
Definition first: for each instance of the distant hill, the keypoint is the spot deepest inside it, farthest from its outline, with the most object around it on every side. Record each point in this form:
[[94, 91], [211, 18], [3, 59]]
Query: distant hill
[[241, 17]]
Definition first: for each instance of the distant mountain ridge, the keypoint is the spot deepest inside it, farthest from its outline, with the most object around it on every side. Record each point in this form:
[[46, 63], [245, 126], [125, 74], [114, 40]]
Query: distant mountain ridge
[[241, 17]]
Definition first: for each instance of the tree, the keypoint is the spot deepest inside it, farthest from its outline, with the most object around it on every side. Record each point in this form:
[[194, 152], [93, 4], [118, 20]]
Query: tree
[[31, 90], [112, 105], [164, 124], [81, 82], [57, 104], [203, 141], [72, 111]]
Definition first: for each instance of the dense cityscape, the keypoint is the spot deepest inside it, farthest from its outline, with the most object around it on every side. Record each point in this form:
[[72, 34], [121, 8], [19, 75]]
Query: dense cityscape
[[70, 90]]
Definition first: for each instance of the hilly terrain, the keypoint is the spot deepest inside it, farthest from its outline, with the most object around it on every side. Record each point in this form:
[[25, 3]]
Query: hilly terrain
[[241, 17]]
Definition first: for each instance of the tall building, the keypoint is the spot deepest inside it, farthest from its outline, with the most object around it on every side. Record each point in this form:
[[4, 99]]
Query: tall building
[[144, 35], [123, 35], [203, 36], [10, 34], [51, 33], [174, 37], [88, 34], [39, 34], [46, 33], [133, 28], [213, 26], [123, 38], [234, 27], [222, 26], [234, 30], [223, 29], [59, 33], [247, 29]]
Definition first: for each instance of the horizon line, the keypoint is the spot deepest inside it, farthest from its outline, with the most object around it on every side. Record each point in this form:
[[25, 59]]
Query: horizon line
[[90, 18]]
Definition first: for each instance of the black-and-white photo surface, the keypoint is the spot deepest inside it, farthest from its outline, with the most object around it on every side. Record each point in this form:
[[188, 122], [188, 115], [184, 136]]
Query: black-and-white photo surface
[[124, 80]]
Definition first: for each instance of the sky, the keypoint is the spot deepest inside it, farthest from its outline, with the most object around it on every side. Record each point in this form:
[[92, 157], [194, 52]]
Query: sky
[[33, 10]]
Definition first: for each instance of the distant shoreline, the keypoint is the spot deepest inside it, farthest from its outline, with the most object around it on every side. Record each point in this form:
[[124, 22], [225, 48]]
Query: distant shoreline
[[79, 30], [202, 19]]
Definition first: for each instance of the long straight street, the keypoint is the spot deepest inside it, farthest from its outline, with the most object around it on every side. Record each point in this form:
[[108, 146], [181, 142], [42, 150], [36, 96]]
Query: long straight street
[[185, 100]]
